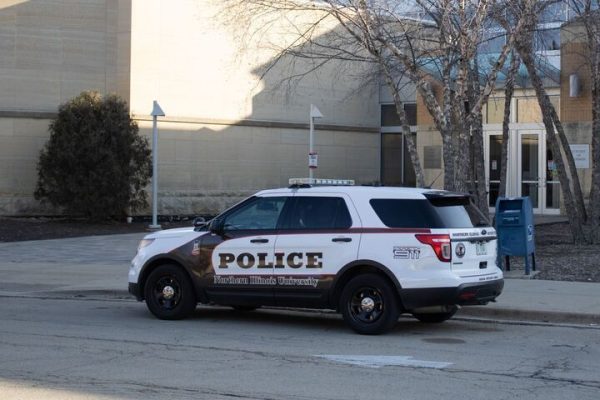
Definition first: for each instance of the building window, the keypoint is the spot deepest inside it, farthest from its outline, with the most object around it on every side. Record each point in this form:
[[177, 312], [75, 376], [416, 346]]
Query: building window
[[493, 42], [528, 109], [389, 116], [396, 164], [494, 111], [546, 39]]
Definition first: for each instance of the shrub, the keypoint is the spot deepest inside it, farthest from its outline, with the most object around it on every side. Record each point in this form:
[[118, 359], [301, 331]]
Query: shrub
[[95, 163]]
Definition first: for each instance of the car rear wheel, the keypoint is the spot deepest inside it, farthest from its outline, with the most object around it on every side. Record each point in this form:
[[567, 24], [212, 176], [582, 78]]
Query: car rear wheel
[[369, 304], [169, 293], [436, 318]]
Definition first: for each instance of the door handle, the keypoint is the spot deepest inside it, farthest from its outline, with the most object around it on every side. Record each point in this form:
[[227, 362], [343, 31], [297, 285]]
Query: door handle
[[343, 239], [259, 241]]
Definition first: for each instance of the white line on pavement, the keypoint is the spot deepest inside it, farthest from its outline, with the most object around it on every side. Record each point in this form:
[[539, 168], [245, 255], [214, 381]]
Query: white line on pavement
[[383, 361]]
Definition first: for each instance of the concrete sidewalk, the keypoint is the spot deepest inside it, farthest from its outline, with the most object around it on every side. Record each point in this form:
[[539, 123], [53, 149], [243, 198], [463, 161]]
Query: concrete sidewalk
[[97, 266], [543, 301]]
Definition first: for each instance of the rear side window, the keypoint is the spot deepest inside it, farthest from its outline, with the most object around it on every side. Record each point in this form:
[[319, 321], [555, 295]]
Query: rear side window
[[423, 213], [319, 213]]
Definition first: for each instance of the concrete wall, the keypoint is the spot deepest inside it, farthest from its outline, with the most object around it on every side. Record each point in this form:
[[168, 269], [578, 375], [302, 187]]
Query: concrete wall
[[50, 51], [230, 129]]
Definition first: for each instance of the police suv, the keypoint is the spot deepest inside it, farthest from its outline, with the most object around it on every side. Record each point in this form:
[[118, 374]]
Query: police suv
[[370, 253]]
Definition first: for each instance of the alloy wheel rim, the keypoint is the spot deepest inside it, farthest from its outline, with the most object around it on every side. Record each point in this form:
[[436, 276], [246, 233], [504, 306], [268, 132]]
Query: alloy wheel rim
[[366, 305], [167, 292]]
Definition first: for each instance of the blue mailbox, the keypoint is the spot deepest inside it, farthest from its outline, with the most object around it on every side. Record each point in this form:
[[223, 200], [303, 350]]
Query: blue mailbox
[[514, 226]]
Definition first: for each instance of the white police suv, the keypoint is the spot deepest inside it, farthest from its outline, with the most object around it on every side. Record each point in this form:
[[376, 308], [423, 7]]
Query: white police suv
[[371, 253]]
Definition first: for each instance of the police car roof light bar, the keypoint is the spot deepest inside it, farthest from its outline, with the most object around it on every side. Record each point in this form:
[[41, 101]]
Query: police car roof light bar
[[308, 182]]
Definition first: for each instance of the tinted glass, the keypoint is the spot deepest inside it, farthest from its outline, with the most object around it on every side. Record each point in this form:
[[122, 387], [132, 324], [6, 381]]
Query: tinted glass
[[438, 213], [261, 213], [319, 213], [389, 116]]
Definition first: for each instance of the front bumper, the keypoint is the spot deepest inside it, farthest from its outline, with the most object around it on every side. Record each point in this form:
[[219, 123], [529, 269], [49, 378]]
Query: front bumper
[[466, 294]]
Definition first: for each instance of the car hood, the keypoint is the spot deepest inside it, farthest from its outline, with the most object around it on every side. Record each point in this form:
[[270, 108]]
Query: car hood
[[174, 233]]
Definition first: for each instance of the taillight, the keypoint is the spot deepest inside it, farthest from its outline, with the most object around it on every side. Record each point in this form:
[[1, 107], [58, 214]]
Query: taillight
[[440, 245]]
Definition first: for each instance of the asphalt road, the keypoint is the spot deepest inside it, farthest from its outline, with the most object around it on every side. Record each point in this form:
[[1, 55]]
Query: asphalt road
[[55, 348]]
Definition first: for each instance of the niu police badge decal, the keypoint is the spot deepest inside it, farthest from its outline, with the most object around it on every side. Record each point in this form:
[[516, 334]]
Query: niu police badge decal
[[460, 250]]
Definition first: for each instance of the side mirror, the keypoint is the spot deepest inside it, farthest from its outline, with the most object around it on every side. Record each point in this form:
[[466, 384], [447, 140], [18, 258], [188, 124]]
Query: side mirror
[[199, 222], [216, 226]]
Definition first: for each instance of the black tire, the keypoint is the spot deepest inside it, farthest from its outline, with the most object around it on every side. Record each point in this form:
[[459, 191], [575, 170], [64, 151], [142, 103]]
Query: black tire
[[369, 304], [436, 318], [169, 293]]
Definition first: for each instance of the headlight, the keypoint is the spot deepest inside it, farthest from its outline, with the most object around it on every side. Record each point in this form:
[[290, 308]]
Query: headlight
[[144, 243]]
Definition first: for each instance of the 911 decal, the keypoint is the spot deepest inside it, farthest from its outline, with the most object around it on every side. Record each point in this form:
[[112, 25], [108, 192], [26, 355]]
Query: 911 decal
[[406, 253]]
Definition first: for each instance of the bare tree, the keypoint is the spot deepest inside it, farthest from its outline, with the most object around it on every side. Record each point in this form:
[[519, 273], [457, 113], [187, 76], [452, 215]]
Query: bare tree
[[509, 90], [587, 16], [432, 42], [529, 11]]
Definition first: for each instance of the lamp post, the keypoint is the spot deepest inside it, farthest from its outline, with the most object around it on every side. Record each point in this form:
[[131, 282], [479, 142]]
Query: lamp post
[[313, 159], [156, 112]]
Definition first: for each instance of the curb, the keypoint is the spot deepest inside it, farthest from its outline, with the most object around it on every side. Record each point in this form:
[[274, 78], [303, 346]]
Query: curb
[[510, 314]]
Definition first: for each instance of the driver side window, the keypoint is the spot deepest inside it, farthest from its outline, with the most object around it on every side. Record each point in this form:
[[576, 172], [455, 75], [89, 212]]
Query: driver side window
[[262, 213]]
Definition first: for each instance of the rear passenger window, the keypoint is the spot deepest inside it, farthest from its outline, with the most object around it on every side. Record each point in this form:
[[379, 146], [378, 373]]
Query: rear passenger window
[[404, 213], [319, 213], [414, 213]]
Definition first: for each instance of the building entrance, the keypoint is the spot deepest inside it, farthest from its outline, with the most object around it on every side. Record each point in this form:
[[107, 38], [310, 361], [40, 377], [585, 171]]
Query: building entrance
[[531, 169]]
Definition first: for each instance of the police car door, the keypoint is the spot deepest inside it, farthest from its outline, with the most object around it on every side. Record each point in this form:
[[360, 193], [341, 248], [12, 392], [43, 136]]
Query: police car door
[[316, 240], [242, 256]]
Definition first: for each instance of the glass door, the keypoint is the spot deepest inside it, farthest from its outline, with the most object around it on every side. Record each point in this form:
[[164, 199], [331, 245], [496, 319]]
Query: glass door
[[493, 164], [551, 185], [538, 176], [529, 168]]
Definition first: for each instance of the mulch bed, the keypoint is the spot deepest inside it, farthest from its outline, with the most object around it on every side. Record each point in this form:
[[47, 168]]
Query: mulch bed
[[556, 257]]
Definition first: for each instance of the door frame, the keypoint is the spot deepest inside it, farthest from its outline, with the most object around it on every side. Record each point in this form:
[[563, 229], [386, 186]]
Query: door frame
[[514, 163], [542, 181]]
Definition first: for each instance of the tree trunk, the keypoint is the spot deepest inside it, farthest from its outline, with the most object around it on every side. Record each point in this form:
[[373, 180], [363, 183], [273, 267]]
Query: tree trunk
[[508, 95], [577, 192], [477, 150], [524, 48], [479, 171], [450, 144], [595, 189], [412, 148]]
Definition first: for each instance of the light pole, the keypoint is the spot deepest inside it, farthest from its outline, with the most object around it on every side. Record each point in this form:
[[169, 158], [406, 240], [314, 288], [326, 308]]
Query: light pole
[[313, 159], [156, 112]]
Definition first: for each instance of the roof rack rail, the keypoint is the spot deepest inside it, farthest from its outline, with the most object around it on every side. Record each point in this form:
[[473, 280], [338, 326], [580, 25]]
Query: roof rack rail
[[310, 182]]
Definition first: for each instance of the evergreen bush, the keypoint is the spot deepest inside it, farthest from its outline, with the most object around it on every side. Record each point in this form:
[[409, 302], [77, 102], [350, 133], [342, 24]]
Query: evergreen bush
[[95, 163]]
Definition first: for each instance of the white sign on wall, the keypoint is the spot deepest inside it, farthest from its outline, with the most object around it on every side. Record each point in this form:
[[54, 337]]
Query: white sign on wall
[[581, 154]]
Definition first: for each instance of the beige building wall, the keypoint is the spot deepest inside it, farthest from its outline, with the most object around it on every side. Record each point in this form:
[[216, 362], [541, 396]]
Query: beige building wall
[[50, 51], [576, 111], [230, 131]]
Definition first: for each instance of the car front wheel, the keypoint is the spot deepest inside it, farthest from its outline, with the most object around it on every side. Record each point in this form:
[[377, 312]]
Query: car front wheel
[[169, 293]]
